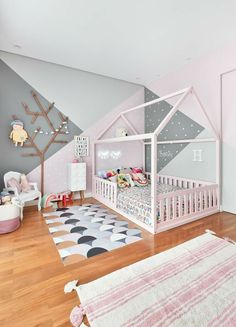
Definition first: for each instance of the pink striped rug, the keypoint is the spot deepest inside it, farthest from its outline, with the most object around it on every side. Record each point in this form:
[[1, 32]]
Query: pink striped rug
[[193, 284]]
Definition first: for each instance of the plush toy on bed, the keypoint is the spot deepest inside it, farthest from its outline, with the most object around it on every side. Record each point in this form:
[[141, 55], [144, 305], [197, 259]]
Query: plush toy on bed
[[106, 174], [139, 177], [110, 173], [121, 131], [124, 179]]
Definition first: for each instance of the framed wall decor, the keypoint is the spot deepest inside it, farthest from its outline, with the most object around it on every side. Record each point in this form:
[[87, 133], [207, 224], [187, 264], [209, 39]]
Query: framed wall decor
[[81, 146]]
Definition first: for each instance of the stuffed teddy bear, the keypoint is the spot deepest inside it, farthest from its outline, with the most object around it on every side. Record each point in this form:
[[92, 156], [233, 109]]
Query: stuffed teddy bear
[[121, 131], [6, 199]]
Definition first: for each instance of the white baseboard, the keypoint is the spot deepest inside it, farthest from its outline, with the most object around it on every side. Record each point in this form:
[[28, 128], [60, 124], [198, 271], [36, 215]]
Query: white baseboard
[[31, 203], [86, 195]]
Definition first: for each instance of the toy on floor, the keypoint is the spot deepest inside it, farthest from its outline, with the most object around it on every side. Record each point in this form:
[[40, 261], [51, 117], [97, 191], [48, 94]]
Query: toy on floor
[[18, 134], [107, 173], [59, 198], [46, 200], [67, 198]]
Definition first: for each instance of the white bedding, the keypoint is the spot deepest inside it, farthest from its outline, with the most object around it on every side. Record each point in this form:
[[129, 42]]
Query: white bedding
[[136, 201]]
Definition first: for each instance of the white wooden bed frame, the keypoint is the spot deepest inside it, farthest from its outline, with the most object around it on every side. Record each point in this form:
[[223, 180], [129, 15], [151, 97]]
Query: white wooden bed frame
[[198, 198]]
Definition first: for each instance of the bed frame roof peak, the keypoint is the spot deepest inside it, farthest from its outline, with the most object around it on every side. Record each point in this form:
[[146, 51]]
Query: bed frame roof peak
[[136, 136]]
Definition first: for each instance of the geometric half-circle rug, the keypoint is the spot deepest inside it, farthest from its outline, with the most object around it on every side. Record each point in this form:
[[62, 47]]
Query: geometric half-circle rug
[[81, 232]]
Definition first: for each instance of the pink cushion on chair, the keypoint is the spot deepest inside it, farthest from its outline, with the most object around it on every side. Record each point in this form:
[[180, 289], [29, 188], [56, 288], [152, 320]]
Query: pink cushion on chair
[[12, 182], [25, 186]]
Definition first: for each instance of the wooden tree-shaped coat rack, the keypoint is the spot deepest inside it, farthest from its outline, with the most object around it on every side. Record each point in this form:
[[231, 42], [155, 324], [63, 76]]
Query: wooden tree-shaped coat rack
[[44, 112]]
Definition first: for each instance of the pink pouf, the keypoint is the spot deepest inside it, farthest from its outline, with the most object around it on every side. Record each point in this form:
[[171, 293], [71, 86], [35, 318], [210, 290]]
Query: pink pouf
[[9, 218]]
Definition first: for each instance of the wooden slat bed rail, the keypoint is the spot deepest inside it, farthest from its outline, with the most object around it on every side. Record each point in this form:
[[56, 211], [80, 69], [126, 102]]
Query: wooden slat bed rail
[[195, 200]]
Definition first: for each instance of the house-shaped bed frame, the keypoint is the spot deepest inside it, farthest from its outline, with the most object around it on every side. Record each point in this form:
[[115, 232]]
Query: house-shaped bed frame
[[195, 200]]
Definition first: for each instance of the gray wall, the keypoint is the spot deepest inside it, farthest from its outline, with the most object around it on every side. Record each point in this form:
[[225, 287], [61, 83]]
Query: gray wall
[[84, 97], [184, 166], [179, 127], [14, 90]]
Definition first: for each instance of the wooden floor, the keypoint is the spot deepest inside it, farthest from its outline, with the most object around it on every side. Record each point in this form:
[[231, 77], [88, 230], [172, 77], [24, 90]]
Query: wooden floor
[[32, 275]]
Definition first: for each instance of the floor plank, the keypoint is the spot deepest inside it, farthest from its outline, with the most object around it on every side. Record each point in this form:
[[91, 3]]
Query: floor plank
[[32, 275]]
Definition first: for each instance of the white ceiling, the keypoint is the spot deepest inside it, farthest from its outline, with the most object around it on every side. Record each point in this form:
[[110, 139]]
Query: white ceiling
[[133, 40]]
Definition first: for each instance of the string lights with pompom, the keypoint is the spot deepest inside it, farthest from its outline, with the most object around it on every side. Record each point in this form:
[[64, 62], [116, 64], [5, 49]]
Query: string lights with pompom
[[64, 125]]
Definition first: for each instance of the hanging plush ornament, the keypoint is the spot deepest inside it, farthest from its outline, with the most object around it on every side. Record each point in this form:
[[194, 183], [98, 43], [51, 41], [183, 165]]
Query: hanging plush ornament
[[18, 134]]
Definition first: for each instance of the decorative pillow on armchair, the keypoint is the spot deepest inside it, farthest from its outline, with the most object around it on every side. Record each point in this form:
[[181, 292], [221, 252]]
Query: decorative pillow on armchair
[[25, 186], [12, 182]]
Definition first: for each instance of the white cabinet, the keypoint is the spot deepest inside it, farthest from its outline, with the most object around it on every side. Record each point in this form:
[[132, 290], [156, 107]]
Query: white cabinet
[[77, 176]]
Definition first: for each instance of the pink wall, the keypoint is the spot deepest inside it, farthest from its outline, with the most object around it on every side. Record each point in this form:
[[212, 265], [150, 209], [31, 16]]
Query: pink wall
[[119, 155], [56, 166], [204, 76]]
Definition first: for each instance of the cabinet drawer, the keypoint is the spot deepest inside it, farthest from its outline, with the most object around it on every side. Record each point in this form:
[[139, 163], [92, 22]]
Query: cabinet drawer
[[77, 186], [78, 180]]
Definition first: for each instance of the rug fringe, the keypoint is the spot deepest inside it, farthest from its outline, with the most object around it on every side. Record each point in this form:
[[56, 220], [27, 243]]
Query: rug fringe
[[210, 231], [71, 286], [77, 315]]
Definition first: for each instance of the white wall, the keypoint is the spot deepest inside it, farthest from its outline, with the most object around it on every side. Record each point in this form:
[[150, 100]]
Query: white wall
[[204, 76], [83, 96], [229, 144]]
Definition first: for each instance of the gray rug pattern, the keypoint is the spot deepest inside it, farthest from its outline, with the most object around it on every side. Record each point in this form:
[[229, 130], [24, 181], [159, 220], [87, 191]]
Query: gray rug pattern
[[89, 229]]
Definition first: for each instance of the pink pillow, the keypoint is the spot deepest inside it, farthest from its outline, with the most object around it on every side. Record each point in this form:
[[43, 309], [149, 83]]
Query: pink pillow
[[137, 170], [12, 182], [25, 186]]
